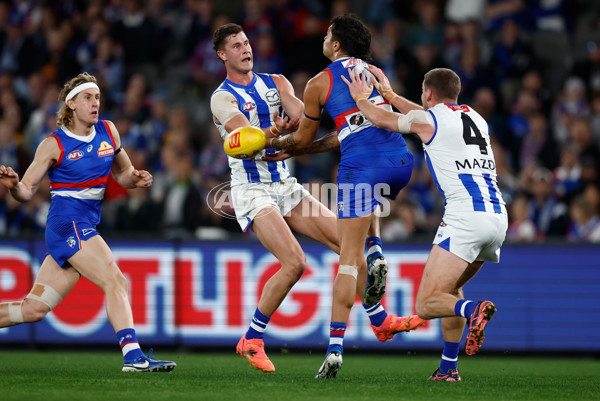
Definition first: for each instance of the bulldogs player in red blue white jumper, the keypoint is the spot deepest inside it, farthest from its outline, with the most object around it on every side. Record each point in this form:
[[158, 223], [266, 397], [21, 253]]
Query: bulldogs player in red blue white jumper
[[456, 142], [266, 198], [372, 159], [78, 158]]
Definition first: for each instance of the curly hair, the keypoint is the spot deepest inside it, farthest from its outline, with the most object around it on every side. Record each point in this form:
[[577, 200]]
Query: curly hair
[[353, 35], [64, 117]]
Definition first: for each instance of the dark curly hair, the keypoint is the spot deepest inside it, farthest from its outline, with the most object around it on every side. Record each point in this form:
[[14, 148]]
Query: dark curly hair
[[353, 35]]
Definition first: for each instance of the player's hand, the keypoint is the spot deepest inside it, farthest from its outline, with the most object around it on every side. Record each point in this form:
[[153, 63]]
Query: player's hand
[[8, 177], [358, 85], [285, 124], [277, 156], [382, 83], [142, 178]]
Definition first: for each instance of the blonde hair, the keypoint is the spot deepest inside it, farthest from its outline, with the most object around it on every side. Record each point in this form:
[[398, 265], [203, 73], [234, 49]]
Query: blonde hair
[[64, 117]]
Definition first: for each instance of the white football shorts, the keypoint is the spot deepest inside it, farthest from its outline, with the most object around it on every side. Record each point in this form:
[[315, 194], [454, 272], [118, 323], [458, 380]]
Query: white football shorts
[[249, 199], [473, 236]]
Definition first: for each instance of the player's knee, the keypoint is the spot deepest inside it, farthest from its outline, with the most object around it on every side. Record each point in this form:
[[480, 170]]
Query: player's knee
[[33, 310], [295, 265], [120, 282], [421, 309], [298, 270], [41, 299]]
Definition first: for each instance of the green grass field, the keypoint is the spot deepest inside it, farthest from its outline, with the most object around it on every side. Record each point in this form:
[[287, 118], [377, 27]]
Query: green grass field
[[66, 376]]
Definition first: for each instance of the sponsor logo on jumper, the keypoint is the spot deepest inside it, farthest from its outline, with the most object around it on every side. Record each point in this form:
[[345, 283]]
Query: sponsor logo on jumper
[[357, 119], [89, 148], [351, 62], [457, 107], [105, 149], [484, 164], [273, 98]]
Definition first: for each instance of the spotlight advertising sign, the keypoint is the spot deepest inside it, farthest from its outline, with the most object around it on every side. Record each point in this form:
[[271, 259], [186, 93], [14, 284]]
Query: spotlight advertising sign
[[204, 294]]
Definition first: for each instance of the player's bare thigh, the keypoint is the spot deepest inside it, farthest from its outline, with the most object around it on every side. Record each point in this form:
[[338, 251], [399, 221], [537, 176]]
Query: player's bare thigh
[[352, 233], [442, 273], [61, 279], [311, 218], [96, 262], [275, 235]]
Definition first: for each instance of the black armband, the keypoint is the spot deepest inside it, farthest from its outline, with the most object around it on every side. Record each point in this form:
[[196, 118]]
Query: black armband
[[312, 118], [118, 150]]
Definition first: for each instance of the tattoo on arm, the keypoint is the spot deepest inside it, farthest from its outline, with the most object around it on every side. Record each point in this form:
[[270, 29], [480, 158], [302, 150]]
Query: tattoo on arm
[[286, 142], [326, 143]]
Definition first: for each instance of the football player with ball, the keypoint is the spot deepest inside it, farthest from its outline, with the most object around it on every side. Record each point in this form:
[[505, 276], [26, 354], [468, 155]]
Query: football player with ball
[[266, 198]]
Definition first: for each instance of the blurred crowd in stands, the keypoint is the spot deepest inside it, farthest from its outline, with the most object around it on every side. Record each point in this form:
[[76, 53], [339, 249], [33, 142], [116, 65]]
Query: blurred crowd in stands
[[530, 67]]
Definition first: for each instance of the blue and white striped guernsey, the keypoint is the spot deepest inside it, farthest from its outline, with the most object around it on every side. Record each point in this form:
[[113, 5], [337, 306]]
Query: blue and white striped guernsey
[[461, 160], [258, 101]]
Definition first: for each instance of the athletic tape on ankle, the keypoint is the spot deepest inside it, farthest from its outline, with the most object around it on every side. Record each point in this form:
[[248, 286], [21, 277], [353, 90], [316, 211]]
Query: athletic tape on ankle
[[46, 294], [349, 270], [15, 314]]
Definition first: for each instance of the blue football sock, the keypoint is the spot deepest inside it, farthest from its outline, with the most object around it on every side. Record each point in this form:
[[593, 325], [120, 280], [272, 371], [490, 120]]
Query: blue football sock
[[465, 308], [336, 337], [129, 344], [257, 325], [374, 248], [376, 313], [449, 356]]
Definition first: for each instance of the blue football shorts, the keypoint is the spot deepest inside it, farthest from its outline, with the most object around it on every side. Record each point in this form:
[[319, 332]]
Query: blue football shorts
[[64, 236], [364, 182]]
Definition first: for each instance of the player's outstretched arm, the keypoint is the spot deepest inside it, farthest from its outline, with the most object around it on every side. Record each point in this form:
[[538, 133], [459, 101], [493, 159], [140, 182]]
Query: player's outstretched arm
[[360, 90], [46, 155], [382, 84], [314, 98], [122, 169], [326, 143], [292, 106]]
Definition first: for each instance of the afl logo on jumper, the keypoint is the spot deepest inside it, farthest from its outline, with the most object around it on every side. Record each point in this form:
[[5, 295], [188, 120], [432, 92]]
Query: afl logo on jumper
[[105, 149], [74, 155], [248, 106]]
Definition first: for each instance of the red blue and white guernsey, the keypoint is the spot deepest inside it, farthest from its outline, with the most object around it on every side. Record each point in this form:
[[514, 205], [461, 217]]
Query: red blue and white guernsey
[[357, 135], [372, 158], [257, 101], [78, 179]]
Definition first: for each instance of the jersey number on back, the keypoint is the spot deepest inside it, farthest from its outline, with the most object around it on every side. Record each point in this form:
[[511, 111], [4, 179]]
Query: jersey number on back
[[475, 138]]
